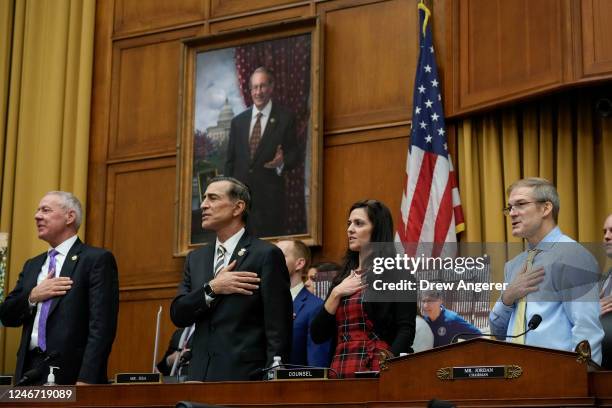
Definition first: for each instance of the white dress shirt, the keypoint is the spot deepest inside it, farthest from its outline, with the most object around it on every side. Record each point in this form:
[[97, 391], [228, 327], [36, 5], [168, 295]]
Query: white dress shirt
[[296, 290], [265, 115], [229, 245], [62, 250]]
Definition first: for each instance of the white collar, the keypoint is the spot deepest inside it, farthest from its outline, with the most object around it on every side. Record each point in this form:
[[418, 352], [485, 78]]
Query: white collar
[[265, 111], [230, 243], [65, 246], [296, 290]]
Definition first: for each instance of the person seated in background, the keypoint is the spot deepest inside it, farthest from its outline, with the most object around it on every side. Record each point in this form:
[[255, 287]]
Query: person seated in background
[[304, 351], [423, 336], [180, 343], [605, 300], [605, 295], [445, 324], [320, 276], [363, 329]]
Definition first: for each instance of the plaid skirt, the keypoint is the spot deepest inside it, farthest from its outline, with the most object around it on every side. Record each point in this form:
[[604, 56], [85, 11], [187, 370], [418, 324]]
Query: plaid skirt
[[357, 346]]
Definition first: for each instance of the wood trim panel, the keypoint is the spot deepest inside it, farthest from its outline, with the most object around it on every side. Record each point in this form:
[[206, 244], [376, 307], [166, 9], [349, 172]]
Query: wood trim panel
[[100, 113], [135, 339], [367, 134], [145, 89], [508, 50], [220, 8], [376, 86], [137, 16], [596, 34], [254, 20], [140, 233]]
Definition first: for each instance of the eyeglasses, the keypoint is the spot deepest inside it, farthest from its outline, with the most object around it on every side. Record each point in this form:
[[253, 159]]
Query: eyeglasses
[[519, 206], [259, 87]]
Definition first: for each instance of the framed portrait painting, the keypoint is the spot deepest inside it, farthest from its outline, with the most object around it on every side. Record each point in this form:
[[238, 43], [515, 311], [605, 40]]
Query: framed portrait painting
[[251, 109]]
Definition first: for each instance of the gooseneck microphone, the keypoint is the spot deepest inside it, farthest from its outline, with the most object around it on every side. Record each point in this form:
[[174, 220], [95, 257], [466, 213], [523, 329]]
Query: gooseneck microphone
[[533, 324], [37, 372]]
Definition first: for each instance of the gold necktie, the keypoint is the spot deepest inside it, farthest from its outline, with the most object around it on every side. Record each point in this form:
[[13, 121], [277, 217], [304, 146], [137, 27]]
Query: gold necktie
[[520, 315]]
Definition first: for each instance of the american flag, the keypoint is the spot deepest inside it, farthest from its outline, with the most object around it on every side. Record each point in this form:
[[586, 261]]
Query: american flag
[[431, 208]]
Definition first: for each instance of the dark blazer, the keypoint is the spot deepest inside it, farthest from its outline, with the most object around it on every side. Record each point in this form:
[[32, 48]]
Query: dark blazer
[[394, 322], [81, 325], [173, 346], [304, 350], [267, 187], [236, 335]]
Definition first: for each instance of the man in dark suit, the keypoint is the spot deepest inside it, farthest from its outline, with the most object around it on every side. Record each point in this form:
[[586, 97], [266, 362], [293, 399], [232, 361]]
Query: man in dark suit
[[66, 299], [262, 147], [304, 351], [236, 291]]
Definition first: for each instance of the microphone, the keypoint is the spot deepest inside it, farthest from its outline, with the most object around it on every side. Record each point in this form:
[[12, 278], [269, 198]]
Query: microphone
[[533, 324], [37, 372]]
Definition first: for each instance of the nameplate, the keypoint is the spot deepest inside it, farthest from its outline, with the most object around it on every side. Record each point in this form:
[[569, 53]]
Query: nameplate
[[300, 374], [6, 379], [367, 374], [479, 372], [137, 378]]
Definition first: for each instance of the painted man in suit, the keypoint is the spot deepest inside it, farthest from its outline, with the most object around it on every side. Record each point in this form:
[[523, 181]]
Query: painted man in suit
[[66, 299], [305, 307], [262, 147], [236, 291]]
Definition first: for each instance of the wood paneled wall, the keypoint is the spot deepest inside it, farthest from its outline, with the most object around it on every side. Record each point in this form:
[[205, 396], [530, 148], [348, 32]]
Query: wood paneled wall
[[489, 51], [369, 69]]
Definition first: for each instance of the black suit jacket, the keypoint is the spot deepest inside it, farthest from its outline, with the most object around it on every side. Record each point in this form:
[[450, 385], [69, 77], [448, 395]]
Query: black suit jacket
[[267, 186], [82, 324], [236, 334]]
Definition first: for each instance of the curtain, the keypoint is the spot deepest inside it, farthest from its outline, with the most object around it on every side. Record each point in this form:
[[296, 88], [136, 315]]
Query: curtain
[[560, 138], [46, 71], [289, 61]]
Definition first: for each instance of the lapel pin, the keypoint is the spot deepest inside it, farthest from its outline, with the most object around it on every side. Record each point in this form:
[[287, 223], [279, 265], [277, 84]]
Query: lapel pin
[[272, 120], [241, 252], [74, 257]]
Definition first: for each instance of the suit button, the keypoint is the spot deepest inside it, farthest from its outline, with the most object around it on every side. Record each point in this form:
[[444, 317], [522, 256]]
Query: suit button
[[251, 171], [212, 328]]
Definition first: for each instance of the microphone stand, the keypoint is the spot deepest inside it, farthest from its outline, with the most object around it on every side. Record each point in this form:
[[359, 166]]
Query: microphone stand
[[533, 324]]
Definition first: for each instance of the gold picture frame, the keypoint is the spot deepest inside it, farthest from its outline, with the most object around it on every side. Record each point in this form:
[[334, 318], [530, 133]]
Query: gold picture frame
[[214, 90]]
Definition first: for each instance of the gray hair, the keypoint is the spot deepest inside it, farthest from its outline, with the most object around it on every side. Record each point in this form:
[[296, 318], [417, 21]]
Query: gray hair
[[432, 294], [70, 202], [262, 70], [237, 191], [543, 190]]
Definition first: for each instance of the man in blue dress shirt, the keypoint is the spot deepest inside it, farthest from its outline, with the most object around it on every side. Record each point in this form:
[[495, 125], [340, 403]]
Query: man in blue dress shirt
[[305, 306], [556, 278]]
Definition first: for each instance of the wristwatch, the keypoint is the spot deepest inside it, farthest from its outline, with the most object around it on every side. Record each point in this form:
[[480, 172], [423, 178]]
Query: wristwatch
[[208, 290]]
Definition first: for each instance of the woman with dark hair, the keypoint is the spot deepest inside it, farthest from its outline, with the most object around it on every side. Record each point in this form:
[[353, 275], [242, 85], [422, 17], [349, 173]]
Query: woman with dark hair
[[362, 328]]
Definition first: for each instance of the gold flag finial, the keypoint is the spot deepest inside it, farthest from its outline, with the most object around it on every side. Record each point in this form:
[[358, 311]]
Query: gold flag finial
[[427, 12]]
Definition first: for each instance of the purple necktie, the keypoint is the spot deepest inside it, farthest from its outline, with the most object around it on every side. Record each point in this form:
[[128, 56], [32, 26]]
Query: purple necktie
[[44, 310]]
